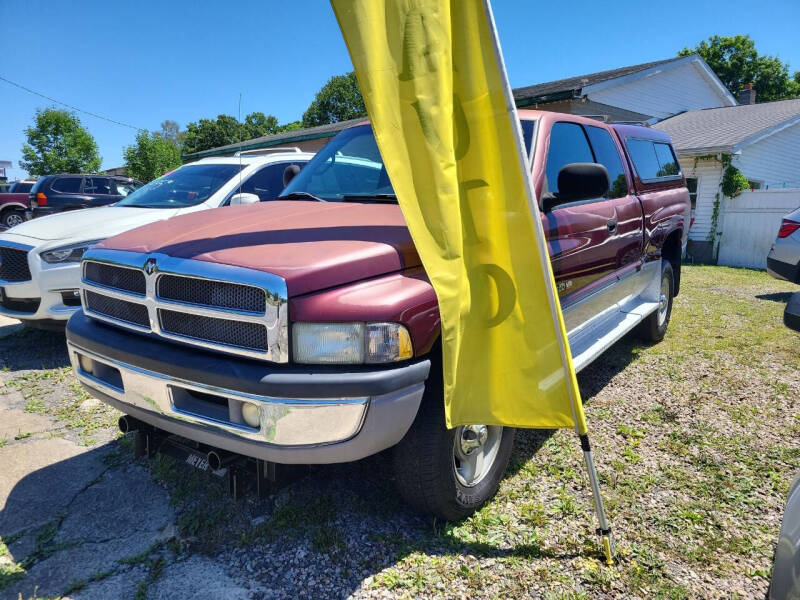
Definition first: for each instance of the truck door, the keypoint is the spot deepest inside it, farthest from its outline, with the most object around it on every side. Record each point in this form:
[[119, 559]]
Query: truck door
[[591, 242]]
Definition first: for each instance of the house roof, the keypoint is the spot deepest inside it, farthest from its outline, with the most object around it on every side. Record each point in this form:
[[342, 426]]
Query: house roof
[[729, 128], [571, 86]]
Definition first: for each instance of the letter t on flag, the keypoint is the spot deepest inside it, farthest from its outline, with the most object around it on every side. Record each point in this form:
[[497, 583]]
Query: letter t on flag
[[437, 94]]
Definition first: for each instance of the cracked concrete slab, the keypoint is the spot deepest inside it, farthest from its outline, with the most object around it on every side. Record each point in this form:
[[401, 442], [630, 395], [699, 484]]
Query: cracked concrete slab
[[14, 422], [121, 585], [53, 576], [39, 479], [199, 578], [120, 516], [125, 503]]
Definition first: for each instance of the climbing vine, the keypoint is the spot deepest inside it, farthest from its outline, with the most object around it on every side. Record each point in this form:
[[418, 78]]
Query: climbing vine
[[732, 183]]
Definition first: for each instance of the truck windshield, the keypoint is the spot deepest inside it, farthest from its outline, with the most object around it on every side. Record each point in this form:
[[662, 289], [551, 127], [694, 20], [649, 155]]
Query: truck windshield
[[350, 168], [186, 186]]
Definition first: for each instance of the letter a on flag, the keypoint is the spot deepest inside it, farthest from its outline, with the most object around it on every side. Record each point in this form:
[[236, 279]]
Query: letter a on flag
[[436, 91]]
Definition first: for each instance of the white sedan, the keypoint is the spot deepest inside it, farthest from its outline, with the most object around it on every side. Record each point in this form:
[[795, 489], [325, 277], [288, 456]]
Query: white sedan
[[40, 259]]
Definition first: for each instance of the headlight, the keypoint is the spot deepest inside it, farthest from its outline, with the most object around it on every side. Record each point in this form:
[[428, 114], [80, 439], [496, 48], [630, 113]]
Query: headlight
[[350, 343], [67, 254]]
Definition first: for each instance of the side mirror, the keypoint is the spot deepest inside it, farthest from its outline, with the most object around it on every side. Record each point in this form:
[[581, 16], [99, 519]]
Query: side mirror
[[289, 173], [244, 198], [579, 181]]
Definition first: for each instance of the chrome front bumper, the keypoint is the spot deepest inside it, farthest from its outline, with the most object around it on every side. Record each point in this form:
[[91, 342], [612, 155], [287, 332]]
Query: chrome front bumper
[[303, 428]]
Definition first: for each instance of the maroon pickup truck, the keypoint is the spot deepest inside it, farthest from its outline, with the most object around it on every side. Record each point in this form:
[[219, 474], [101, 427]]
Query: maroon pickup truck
[[14, 203], [306, 330]]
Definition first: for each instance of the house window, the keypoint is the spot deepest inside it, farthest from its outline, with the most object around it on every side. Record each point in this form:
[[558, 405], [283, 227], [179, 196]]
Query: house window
[[755, 184], [691, 183]]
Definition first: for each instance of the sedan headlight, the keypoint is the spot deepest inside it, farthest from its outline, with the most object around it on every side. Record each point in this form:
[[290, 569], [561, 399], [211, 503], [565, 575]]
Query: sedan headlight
[[350, 343], [67, 254]]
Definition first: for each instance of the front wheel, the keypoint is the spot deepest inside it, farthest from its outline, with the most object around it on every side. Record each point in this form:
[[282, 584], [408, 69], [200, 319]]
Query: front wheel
[[13, 217], [449, 473], [654, 327]]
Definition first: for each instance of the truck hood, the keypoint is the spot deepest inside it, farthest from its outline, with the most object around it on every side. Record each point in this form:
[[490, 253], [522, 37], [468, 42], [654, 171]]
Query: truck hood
[[90, 223], [311, 245]]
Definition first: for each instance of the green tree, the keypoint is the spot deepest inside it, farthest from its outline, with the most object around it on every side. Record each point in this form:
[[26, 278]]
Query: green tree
[[293, 126], [206, 133], [736, 62], [258, 124], [151, 156], [338, 100], [58, 143], [171, 131]]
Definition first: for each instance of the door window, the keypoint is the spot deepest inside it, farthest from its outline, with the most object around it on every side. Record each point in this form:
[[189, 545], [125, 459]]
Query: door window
[[267, 184], [568, 144], [97, 186], [607, 155], [67, 185]]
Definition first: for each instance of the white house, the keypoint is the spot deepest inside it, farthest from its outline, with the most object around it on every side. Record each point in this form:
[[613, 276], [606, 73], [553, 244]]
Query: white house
[[760, 140]]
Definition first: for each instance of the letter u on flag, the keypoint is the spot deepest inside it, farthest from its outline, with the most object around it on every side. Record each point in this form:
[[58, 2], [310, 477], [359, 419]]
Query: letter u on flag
[[436, 91]]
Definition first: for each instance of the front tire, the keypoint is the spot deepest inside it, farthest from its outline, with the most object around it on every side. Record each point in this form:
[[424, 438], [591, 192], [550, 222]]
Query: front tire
[[449, 473], [654, 327]]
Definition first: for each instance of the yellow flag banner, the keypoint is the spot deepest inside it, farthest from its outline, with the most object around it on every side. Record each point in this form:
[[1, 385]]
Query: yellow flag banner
[[436, 91]]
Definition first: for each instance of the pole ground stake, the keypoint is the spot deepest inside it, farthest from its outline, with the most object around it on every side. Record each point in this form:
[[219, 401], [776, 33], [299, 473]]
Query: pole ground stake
[[604, 529]]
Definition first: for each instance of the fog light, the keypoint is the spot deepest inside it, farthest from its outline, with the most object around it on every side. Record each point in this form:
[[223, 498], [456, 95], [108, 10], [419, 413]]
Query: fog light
[[86, 363], [251, 414]]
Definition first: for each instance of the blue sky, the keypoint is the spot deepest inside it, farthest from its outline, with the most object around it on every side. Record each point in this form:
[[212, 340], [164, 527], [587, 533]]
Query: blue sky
[[143, 62]]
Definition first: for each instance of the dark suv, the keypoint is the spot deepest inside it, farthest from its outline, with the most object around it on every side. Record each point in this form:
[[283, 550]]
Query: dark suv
[[57, 193]]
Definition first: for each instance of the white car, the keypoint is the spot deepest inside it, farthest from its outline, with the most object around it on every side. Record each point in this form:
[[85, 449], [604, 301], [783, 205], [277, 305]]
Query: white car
[[40, 259]]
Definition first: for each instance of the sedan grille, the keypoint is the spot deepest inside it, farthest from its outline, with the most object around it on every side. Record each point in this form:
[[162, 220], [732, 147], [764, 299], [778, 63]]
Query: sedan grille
[[206, 292], [112, 276], [120, 310], [227, 332], [14, 264]]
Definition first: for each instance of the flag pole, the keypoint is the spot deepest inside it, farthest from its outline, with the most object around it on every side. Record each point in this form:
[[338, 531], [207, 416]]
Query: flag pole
[[604, 529]]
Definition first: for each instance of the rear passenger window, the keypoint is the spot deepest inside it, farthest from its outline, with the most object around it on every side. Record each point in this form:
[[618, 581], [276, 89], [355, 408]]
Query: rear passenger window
[[607, 155], [67, 185], [97, 185], [568, 144], [666, 160], [653, 160]]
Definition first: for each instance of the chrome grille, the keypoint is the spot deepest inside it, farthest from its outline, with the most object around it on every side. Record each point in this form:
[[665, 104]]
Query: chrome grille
[[14, 264], [120, 310], [120, 278], [219, 307], [205, 292], [220, 331]]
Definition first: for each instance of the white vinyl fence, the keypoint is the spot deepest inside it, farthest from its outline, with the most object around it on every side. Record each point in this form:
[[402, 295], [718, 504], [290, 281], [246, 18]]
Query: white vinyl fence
[[749, 225]]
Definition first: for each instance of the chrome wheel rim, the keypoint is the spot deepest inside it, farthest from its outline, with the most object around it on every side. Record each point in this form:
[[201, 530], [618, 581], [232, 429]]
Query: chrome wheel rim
[[475, 450], [13, 219], [663, 301]]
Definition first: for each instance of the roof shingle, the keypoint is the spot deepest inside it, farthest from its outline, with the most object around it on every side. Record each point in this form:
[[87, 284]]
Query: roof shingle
[[721, 129]]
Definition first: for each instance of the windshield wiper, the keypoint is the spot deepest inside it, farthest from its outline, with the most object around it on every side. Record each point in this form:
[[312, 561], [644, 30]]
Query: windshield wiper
[[300, 196], [362, 197]]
